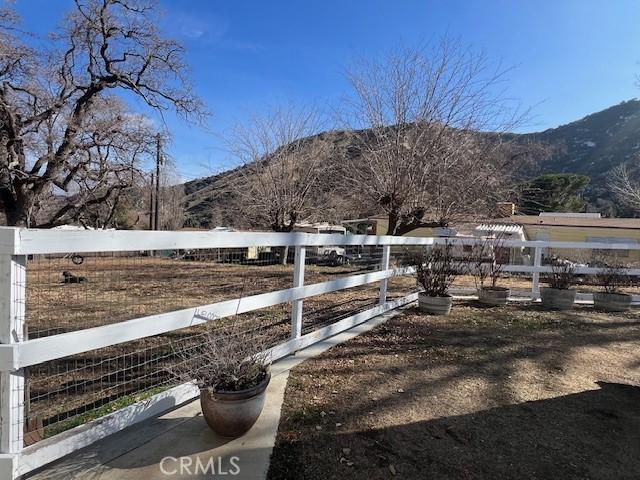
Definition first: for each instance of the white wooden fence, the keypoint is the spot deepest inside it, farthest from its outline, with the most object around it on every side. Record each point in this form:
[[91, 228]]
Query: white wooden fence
[[17, 352]]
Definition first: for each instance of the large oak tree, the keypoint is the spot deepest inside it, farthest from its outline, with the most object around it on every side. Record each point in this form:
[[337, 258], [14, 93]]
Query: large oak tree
[[65, 128]]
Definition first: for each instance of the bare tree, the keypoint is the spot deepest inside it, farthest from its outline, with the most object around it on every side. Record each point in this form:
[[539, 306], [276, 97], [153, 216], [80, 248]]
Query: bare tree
[[106, 164], [172, 198], [60, 133], [624, 187], [282, 160], [418, 117]]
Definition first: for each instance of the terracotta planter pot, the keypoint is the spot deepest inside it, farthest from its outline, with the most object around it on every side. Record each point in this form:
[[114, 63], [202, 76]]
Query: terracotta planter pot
[[612, 302], [556, 299], [232, 414], [435, 305], [494, 296]]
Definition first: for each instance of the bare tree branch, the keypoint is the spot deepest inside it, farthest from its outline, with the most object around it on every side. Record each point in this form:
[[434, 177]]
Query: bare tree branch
[[283, 162], [419, 116], [624, 187], [62, 130]]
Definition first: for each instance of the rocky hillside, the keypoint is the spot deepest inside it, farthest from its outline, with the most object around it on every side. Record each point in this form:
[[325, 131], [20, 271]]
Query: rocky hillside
[[590, 146], [594, 145], [596, 142]]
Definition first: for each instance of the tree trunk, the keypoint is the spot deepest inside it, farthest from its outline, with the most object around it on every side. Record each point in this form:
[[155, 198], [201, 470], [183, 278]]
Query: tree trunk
[[16, 218], [284, 254], [283, 228], [392, 223], [16, 213]]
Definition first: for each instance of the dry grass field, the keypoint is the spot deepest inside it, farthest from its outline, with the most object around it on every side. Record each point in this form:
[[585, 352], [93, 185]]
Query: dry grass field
[[70, 391]]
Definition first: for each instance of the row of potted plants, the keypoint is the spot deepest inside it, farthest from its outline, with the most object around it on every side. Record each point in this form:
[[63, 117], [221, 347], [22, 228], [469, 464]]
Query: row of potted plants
[[560, 294], [437, 268], [230, 364]]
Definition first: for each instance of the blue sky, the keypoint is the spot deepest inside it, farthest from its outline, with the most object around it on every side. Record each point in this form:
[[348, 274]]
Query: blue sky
[[571, 57]]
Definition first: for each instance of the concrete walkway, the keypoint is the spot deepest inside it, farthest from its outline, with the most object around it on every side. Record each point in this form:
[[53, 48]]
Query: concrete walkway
[[179, 445]]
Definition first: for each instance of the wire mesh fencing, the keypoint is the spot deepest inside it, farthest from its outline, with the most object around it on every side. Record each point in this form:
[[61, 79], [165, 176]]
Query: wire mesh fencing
[[71, 391], [66, 293], [333, 262], [73, 292]]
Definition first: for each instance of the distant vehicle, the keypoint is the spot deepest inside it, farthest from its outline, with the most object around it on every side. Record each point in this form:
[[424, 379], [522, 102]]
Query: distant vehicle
[[334, 255]]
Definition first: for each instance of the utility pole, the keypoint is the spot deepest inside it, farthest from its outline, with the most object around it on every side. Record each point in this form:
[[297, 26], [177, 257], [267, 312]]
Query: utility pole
[[158, 163], [151, 203]]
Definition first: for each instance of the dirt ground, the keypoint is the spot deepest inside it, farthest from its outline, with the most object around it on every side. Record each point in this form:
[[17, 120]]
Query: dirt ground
[[506, 393], [127, 287], [69, 391]]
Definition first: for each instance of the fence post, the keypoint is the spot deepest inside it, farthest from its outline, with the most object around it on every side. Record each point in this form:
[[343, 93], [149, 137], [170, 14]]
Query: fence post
[[537, 262], [298, 281], [384, 284], [12, 330]]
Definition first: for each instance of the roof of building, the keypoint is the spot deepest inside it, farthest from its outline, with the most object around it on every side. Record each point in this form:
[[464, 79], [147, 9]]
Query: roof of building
[[564, 221], [571, 214], [512, 228]]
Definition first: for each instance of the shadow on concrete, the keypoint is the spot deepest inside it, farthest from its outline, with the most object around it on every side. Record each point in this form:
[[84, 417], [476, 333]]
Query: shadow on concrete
[[152, 439]]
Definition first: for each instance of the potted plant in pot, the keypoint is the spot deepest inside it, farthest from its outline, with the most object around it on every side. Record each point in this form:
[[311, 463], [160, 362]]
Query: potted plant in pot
[[560, 294], [612, 279], [230, 366], [435, 271], [486, 267]]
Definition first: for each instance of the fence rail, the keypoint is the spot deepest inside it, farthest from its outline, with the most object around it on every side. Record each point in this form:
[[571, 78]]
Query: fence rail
[[19, 353]]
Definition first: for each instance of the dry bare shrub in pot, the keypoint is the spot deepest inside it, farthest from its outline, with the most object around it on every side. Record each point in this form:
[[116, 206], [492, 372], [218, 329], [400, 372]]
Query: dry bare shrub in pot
[[612, 278], [560, 294], [486, 265], [230, 366], [435, 271]]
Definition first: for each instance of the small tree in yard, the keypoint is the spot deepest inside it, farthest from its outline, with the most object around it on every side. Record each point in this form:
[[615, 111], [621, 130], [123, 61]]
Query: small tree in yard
[[486, 264], [230, 366], [418, 117], [230, 358], [435, 269], [63, 132], [559, 295], [435, 272], [282, 163], [612, 278], [562, 275]]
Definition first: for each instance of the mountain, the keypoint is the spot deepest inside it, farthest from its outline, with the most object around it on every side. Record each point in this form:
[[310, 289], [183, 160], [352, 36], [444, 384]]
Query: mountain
[[205, 203], [593, 146], [595, 143], [590, 146], [209, 202]]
